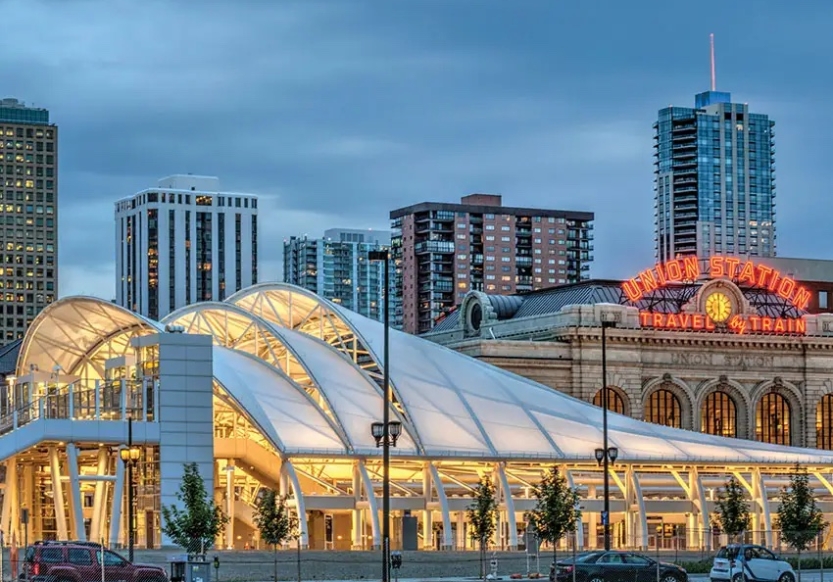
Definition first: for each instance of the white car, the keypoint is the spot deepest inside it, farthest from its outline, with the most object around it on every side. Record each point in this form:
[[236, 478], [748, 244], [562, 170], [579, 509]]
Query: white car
[[755, 564]]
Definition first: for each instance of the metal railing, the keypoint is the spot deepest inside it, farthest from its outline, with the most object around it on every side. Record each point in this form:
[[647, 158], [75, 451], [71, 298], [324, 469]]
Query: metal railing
[[104, 400]]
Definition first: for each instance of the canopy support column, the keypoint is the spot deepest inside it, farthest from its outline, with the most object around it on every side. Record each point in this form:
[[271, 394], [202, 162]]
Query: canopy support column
[[592, 521], [639, 522], [375, 526], [358, 526], [115, 511], [57, 493], [448, 543], [427, 515], [230, 504], [11, 502], [509, 506], [300, 506], [75, 493], [760, 496], [697, 495], [96, 535], [579, 533]]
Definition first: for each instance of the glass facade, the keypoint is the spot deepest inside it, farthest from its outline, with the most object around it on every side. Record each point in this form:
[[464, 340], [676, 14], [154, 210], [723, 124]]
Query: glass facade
[[13, 111], [337, 268], [714, 181]]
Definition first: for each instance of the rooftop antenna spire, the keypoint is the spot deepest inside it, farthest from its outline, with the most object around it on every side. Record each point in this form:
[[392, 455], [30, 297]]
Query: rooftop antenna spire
[[714, 73]]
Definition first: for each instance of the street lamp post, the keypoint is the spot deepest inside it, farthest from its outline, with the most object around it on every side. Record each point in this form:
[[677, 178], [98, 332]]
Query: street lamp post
[[129, 456], [607, 455], [386, 432]]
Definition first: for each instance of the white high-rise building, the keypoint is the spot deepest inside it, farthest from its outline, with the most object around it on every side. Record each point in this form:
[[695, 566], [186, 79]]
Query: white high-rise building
[[182, 242]]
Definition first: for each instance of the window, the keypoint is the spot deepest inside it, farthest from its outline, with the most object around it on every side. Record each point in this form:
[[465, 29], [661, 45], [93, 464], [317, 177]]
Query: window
[[822, 299], [719, 415], [772, 420], [638, 560], [52, 555], [824, 423], [663, 408], [80, 557], [110, 559], [615, 403]]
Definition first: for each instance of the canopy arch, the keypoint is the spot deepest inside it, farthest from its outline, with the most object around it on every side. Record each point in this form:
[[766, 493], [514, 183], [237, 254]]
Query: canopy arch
[[341, 389], [77, 335], [298, 309], [285, 415]]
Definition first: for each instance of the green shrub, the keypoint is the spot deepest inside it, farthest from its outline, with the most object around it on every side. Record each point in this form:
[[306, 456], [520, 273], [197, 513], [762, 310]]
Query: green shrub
[[697, 566]]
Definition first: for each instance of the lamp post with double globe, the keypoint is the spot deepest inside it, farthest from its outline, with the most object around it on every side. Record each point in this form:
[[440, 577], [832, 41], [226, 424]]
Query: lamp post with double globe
[[130, 455], [607, 455], [387, 432]]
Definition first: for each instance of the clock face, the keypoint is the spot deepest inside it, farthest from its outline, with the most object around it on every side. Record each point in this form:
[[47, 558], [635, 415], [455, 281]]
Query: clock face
[[718, 307]]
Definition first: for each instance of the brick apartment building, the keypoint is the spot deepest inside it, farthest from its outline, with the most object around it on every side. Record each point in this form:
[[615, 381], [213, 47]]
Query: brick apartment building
[[442, 251]]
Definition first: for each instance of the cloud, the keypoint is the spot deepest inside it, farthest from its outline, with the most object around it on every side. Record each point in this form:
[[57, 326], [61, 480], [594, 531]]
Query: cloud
[[93, 279], [337, 112]]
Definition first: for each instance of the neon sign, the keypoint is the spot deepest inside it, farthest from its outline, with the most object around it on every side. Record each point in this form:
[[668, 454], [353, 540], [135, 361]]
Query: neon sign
[[737, 323], [733, 268], [721, 312]]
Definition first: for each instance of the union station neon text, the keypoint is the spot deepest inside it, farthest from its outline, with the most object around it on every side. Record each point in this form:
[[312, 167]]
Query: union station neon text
[[743, 272]]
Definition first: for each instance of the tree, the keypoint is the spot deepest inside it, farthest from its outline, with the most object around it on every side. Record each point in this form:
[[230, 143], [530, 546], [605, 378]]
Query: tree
[[482, 516], [733, 509], [273, 520], [799, 518], [195, 525], [556, 512]]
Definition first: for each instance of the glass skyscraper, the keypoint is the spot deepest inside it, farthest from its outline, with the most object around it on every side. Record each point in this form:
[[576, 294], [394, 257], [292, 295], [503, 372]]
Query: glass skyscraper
[[337, 267], [714, 186]]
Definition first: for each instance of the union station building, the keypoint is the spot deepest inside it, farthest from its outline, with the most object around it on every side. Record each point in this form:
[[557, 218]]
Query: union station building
[[722, 346], [277, 388]]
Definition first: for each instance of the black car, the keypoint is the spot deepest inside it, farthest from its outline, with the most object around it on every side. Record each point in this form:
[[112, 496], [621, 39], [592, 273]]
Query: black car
[[615, 566]]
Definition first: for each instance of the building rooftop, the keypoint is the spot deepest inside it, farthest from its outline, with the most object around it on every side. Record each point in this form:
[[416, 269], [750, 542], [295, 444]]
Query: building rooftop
[[14, 111], [816, 270], [668, 299], [488, 204]]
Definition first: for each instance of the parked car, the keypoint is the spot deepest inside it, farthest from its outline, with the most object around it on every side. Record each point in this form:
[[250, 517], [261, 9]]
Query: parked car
[[81, 562], [615, 566], [757, 562]]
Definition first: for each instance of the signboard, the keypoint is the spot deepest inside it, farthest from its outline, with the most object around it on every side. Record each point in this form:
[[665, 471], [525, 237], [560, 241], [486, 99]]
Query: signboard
[[716, 307]]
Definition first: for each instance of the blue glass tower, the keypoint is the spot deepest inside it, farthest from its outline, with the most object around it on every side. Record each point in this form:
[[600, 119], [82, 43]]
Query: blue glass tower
[[714, 180]]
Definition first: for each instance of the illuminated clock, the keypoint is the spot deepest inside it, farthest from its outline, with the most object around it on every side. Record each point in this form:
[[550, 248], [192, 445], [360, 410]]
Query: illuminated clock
[[718, 307]]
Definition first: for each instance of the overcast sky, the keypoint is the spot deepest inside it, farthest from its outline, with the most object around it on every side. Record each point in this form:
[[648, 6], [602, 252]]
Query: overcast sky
[[337, 112]]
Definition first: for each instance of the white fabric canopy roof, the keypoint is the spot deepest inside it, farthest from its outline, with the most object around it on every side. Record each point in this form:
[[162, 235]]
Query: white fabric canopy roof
[[450, 404]]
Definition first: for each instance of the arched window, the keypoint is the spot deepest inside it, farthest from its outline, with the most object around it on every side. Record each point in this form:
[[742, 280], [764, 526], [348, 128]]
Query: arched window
[[719, 415], [615, 403], [772, 420], [664, 408], [824, 423]]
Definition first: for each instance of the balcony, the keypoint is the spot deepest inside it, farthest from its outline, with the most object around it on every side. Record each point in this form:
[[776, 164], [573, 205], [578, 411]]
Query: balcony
[[434, 246]]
